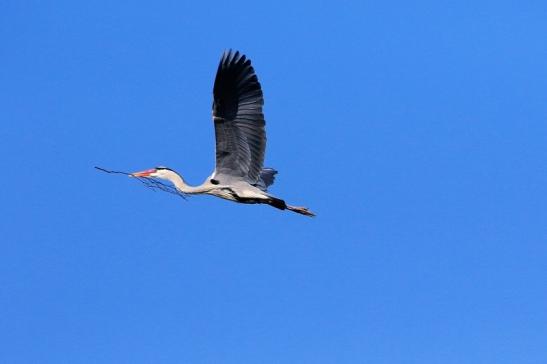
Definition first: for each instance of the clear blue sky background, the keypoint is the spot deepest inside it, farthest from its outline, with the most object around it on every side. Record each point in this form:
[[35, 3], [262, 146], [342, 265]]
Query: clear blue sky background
[[415, 130]]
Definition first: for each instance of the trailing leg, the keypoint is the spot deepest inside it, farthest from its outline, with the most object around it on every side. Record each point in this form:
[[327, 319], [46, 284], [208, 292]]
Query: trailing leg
[[280, 204]]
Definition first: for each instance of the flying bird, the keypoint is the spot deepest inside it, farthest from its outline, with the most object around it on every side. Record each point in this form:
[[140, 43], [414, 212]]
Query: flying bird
[[240, 133]]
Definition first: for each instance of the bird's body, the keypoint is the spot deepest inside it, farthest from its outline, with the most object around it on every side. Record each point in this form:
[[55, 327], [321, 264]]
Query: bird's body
[[239, 174]]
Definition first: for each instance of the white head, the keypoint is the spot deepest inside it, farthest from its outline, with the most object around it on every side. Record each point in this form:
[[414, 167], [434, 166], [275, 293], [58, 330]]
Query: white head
[[166, 174], [158, 172]]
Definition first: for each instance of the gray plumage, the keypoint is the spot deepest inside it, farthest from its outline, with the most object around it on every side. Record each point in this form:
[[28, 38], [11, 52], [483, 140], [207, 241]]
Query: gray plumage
[[240, 141], [266, 179], [239, 121]]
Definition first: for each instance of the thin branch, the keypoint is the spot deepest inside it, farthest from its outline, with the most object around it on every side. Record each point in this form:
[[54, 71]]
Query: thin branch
[[151, 183]]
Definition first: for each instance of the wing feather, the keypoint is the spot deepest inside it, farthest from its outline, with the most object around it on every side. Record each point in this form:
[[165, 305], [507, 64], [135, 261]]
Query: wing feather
[[238, 118]]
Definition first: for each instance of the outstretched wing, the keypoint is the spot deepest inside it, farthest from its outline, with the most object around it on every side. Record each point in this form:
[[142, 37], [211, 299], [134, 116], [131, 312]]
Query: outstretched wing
[[239, 121]]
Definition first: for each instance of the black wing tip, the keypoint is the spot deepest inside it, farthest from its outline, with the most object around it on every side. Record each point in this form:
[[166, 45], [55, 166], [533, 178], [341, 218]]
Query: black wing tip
[[231, 56], [236, 90], [233, 61]]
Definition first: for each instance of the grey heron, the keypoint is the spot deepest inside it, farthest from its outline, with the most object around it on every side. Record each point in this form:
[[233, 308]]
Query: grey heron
[[239, 174]]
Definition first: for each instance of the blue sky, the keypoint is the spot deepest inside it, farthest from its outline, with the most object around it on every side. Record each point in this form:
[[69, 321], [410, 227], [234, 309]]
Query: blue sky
[[415, 130]]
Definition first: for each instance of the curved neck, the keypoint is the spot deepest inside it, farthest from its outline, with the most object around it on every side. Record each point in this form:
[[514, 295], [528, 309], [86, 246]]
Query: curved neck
[[180, 184]]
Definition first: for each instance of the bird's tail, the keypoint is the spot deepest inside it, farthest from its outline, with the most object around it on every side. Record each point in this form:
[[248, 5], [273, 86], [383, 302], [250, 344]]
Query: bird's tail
[[266, 179]]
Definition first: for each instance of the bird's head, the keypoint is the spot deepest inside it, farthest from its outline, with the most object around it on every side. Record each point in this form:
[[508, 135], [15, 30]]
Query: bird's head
[[150, 178], [158, 172]]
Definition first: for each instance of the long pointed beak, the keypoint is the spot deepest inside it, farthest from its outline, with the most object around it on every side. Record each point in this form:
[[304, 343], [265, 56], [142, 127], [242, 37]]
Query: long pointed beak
[[146, 173]]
